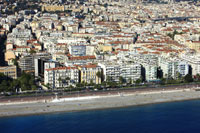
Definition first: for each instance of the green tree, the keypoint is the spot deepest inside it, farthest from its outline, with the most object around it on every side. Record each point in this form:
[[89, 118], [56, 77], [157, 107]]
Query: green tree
[[33, 87], [84, 83], [59, 80], [15, 62], [178, 76], [170, 35], [99, 74], [163, 81], [2, 77], [197, 77], [108, 79], [16, 84], [91, 82], [138, 81], [129, 81], [173, 34], [79, 85], [172, 81], [103, 83], [121, 80], [26, 81], [32, 51], [71, 87], [31, 81], [67, 78], [4, 86], [112, 84], [188, 78], [48, 85]]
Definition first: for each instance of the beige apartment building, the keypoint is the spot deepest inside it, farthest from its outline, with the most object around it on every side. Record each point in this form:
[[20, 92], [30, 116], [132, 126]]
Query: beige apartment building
[[194, 45], [88, 73], [10, 71], [53, 8]]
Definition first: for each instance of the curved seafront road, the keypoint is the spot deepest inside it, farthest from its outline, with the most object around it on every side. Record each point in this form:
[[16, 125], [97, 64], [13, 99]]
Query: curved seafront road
[[114, 91]]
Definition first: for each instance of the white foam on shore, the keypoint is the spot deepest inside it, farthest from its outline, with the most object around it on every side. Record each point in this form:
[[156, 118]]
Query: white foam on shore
[[119, 94], [81, 98], [74, 99]]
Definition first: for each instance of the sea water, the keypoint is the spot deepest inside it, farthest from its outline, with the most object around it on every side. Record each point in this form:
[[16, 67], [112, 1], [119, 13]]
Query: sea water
[[175, 117]]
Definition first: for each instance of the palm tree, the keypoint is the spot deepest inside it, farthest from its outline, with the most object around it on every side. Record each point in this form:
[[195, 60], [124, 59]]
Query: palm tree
[[67, 79], [130, 80], [14, 61], [108, 80], [99, 75], [121, 80], [48, 85], [59, 79], [91, 82], [84, 83]]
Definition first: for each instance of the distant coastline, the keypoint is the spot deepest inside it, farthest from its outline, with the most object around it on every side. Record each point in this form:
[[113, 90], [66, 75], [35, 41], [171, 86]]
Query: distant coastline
[[96, 102]]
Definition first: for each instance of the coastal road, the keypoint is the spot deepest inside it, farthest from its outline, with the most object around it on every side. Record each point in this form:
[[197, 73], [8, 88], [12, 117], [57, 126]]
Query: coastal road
[[111, 91]]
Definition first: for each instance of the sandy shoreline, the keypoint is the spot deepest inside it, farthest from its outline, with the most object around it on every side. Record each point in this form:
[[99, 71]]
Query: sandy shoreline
[[97, 102]]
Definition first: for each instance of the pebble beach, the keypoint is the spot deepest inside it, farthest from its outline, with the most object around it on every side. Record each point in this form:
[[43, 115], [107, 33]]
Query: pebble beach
[[84, 103]]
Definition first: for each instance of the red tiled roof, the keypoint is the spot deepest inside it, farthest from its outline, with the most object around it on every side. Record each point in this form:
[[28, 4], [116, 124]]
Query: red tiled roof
[[61, 44], [89, 66], [22, 46], [36, 44], [122, 49], [82, 58], [60, 68]]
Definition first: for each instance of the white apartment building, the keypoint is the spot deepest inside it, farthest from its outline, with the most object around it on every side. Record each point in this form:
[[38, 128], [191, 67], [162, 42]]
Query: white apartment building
[[19, 36], [171, 68], [22, 33], [111, 71], [194, 62], [114, 70], [183, 68], [61, 76], [77, 50], [130, 71], [72, 40], [150, 72], [149, 65]]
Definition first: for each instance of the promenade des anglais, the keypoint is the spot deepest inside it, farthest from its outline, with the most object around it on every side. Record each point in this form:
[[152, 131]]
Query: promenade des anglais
[[70, 55]]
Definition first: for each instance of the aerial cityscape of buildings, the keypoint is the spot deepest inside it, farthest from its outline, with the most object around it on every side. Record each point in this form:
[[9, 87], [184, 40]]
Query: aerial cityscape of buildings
[[65, 43]]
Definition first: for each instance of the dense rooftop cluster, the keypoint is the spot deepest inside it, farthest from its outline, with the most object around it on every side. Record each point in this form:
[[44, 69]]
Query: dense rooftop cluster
[[65, 43]]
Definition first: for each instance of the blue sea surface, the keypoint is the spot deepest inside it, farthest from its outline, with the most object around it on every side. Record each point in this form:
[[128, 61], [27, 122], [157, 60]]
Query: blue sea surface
[[175, 117]]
